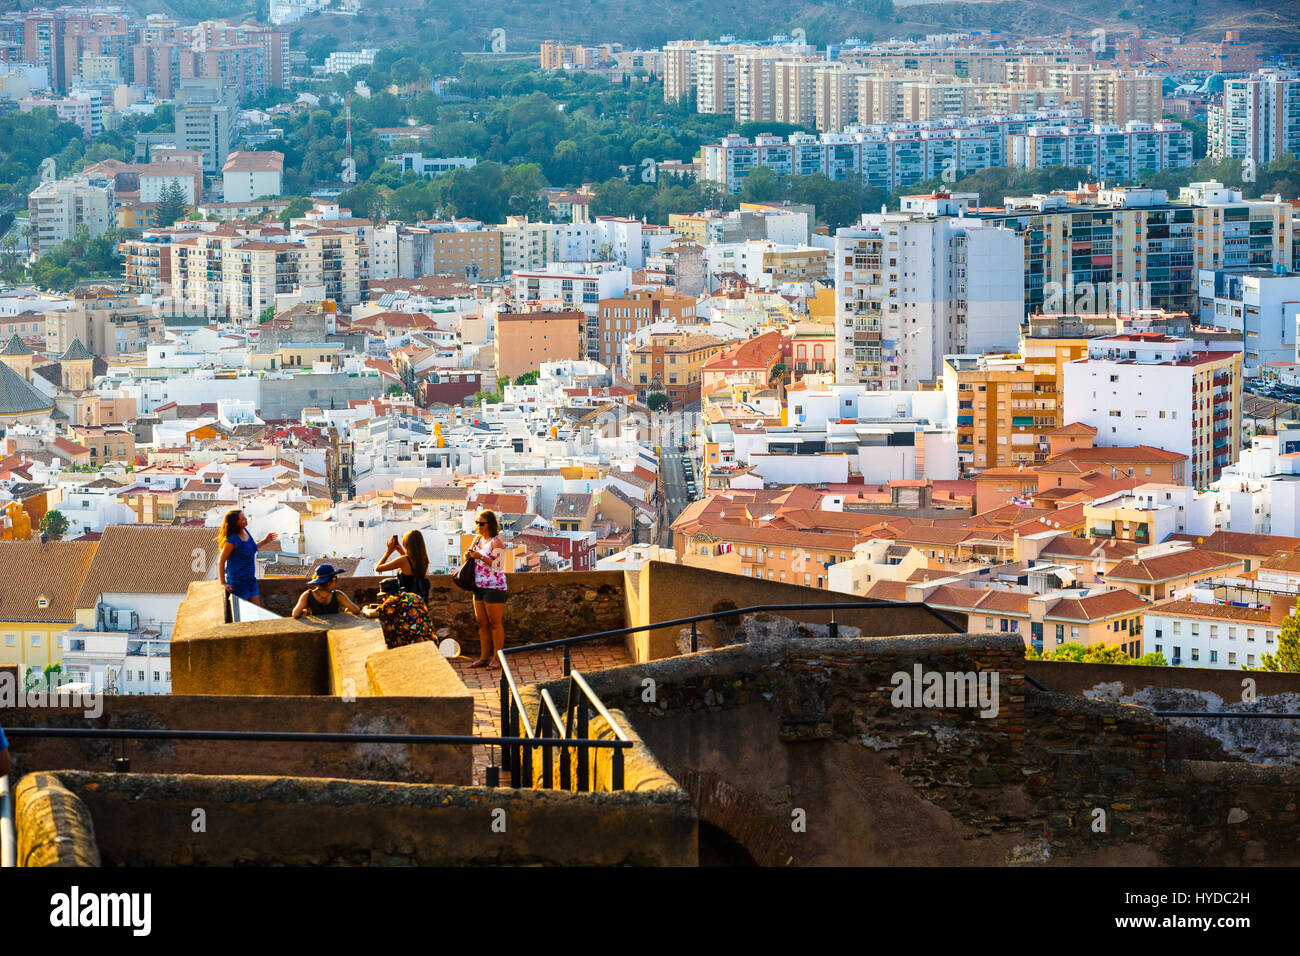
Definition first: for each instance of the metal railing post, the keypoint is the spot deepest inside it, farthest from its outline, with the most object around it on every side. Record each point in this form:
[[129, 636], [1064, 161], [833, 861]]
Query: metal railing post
[[8, 836], [505, 710], [525, 767], [514, 748], [695, 636], [616, 769], [122, 764], [568, 663], [834, 629], [584, 753]]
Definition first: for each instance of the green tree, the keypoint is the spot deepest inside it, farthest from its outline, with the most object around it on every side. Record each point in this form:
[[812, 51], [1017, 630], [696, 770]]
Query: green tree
[[528, 378], [1152, 659], [1069, 652], [266, 314], [365, 200], [298, 205], [761, 184], [78, 258], [656, 401], [54, 524], [1287, 656], [173, 204], [1105, 654], [395, 390]]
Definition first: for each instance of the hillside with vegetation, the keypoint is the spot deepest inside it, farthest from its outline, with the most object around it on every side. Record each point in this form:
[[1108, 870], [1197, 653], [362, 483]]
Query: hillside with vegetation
[[463, 26]]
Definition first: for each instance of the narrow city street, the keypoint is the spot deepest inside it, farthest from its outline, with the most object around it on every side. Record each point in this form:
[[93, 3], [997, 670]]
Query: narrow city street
[[670, 429]]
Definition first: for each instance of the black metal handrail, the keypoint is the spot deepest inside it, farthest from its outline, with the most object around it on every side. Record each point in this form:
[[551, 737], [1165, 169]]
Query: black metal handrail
[[514, 719], [695, 620], [576, 709]]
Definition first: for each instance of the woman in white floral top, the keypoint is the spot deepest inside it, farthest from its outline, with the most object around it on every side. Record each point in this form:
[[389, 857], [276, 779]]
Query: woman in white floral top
[[488, 554]]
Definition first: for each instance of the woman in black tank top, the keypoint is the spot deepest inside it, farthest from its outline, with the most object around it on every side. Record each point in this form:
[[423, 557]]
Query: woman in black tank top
[[322, 598], [316, 607]]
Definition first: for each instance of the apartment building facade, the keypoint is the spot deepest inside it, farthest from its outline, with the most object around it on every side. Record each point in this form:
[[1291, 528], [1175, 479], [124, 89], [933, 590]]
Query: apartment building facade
[[886, 155], [672, 363], [235, 275], [1112, 153], [1003, 420], [1259, 118], [913, 286], [1127, 248], [1155, 389], [58, 208], [621, 317], [206, 110]]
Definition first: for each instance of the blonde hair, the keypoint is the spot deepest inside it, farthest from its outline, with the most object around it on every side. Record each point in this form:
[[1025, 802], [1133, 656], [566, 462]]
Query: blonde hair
[[229, 525]]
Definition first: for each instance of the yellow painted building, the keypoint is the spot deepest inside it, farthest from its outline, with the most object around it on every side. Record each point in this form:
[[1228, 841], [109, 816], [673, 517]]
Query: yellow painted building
[[15, 523], [689, 225], [37, 599]]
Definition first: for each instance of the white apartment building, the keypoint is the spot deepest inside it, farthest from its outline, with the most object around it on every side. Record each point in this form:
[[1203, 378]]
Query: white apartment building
[[91, 506], [887, 155], [1154, 389], [423, 165], [911, 288], [1260, 306], [83, 107], [345, 61], [117, 662], [536, 246], [1112, 153], [1259, 493], [1196, 631], [246, 176], [58, 208], [1259, 119]]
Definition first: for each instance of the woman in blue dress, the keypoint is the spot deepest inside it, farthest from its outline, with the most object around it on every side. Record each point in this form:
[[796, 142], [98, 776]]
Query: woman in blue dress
[[237, 567]]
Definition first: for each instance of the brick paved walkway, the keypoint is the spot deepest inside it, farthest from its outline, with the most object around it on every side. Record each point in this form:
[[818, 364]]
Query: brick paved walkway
[[529, 667]]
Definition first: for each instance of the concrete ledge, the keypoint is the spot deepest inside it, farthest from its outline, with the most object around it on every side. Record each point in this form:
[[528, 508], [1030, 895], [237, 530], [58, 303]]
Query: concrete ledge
[[319, 714], [665, 592], [279, 657], [54, 826], [283, 821], [348, 649], [416, 670]]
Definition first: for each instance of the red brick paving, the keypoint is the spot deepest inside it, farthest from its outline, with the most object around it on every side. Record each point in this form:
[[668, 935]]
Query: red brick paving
[[528, 667]]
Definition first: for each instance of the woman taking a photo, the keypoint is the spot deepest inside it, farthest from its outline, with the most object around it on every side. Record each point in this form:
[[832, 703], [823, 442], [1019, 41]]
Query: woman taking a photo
[[410, 560], [237, 566], [487, 551]]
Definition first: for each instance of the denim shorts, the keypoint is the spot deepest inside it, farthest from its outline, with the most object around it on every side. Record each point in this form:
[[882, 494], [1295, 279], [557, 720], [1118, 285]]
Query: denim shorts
[[490, 595], [244, 589]]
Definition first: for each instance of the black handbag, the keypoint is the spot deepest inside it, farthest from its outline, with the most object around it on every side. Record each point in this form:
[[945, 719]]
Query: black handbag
[[464, 578]]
